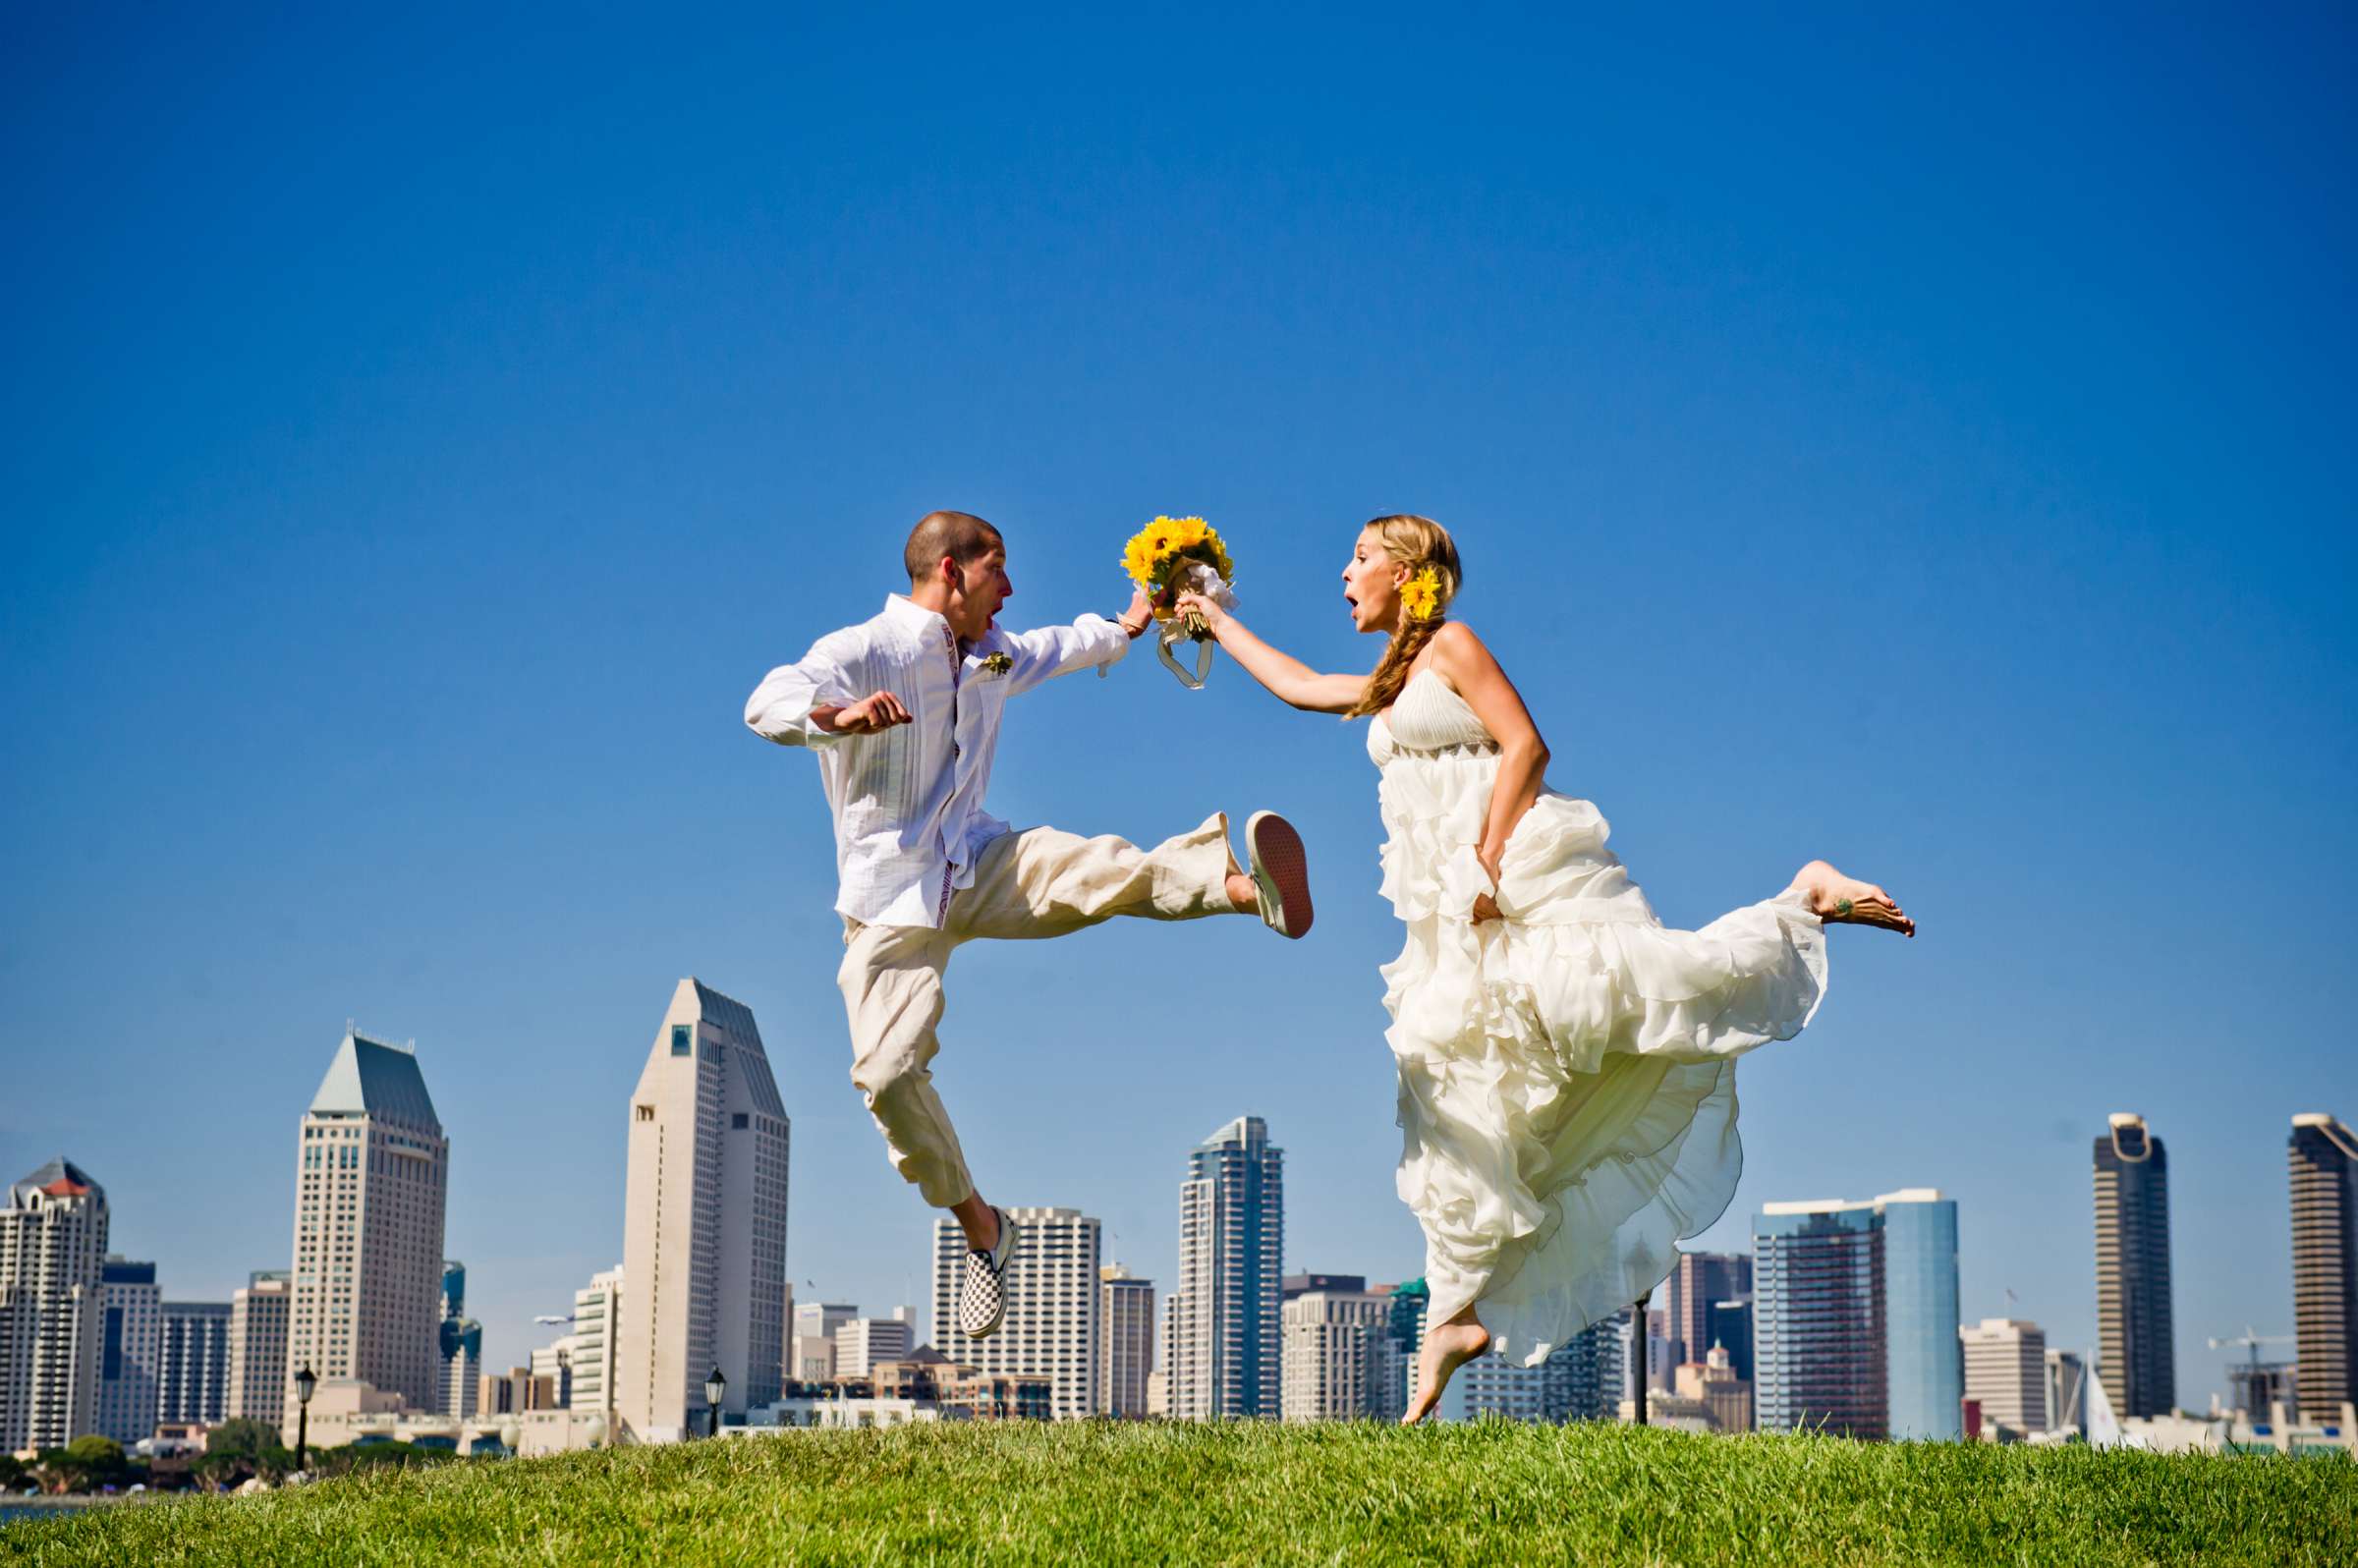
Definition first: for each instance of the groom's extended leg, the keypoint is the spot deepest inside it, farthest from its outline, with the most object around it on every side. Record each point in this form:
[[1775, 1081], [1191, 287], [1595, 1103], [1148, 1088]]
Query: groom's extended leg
[[1047, 882], [891, 982]]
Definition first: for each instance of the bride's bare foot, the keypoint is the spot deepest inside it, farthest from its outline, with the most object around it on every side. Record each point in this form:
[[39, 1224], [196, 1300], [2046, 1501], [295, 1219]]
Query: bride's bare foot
[[1448, 1346], [1840, 900]]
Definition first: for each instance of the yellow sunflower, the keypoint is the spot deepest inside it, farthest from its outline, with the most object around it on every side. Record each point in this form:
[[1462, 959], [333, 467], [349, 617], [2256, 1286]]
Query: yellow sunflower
[[1420, 596]]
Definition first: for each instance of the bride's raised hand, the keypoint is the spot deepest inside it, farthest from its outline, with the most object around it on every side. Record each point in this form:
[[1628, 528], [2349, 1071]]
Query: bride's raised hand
[[1204, 609]]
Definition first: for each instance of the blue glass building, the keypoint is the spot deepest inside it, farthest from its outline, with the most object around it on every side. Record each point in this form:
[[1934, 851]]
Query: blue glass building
[[1855, 1317], [1920, 1314]]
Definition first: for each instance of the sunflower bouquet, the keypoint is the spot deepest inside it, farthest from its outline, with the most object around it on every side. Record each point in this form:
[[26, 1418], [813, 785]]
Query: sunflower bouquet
[[1175, 555]]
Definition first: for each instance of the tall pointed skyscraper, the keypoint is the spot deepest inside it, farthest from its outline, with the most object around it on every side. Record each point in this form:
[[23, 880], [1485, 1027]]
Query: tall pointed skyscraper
[[52, 1315], [704, 1235], [1224, 1332], [372, 1186], [2323, 1157], [2136, 1361]]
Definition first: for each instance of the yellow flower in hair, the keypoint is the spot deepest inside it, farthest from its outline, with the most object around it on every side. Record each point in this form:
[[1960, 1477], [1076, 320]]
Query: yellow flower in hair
[[1420, 596]]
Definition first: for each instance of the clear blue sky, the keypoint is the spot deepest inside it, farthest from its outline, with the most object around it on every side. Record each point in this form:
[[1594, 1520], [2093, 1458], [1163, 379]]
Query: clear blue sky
[[1923, 443]]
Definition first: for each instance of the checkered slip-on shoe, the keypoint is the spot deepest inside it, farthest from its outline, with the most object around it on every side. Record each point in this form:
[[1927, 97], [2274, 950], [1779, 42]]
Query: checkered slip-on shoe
[[982, 1292], [1282, 870]]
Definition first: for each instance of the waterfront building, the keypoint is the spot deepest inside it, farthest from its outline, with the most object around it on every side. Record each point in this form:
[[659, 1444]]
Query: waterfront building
[[52, 1323], [2136, 1358], [1050, 1333], [1223, 1351], [862, 1342], [257, 1346], [703, 1221], [193, 1365], [1334, 1354], [594, 1307], [2005, 1373], [2322, 1155], [372, 1183], [1855, 1317], [1126, 1336], [128, 1387], [2066, 1402], [460, 1344]]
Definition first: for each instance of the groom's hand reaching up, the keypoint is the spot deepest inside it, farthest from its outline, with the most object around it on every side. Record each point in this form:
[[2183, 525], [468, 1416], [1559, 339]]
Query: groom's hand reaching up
[[878, 710]]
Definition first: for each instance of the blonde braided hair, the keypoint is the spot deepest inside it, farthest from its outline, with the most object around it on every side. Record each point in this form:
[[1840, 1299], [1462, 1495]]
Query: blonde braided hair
[[1418, 543]]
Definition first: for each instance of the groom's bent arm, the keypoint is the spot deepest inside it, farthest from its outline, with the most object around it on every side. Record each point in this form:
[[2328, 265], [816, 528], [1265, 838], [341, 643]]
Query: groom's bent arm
[[783, 708]]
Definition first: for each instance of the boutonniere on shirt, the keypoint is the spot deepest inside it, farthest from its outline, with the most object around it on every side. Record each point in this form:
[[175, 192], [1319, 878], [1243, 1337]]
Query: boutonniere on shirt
[[997, 664]]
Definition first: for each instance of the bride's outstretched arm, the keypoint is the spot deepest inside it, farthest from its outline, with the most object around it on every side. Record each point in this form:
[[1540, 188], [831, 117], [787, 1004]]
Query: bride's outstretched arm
[[1288, 679], [1462, 659]]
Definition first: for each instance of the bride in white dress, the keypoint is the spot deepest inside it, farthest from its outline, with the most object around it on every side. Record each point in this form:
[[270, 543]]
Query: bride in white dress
[[1567, 1064]]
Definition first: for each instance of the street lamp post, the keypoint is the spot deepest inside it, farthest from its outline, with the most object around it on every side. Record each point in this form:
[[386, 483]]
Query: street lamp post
[[1638, 1336], [715, 1387], [305, 1381]]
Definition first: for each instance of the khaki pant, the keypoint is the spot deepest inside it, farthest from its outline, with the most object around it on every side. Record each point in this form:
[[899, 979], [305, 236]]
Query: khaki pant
[[1040, 882]]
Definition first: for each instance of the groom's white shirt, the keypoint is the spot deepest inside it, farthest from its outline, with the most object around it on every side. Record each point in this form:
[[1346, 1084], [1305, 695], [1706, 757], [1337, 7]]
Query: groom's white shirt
[[907, 800]]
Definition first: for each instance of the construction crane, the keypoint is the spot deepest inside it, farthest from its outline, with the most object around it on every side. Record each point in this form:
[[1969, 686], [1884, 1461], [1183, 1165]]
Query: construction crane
[[2248, 1337]]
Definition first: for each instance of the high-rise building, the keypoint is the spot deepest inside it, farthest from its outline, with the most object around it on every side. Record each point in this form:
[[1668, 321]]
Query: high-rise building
[[1714, 1384], [1491, 1386], [862, 1342], [2006, 1370], [818, 1319], [257, 1346], [52, 1326], [459, 1343], [2066, 1392], [1584, 1378], [126, 1364], [1404, 1325], [1855, 1317], [594, 1307], [2136, 1359], [372, 1183], [552, 1367], [192, 1366], [703, 1221], [1126, 1335], [2322, 1155], [1699, 1282], [1731, 1326], [1052, 1329], [1926, 1370], [1334, 1354], [1225, 1333]]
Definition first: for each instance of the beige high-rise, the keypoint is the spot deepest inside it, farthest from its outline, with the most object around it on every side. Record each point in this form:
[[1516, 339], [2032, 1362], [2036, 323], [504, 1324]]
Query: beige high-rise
[[1126, 1334], [2322, 1155], [1051, 1326], [1334, 1343], [372, 1186], [2006, 1368], [257, 1347], [52, 1261], [703, 1236], [595, 1306]]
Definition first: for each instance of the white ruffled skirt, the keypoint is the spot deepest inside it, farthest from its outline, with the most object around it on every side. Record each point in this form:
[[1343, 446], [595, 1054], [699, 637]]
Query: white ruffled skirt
[[1567, 1073]]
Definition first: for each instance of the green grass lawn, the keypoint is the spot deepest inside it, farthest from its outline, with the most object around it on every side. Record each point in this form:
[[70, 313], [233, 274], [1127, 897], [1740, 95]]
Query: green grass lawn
[[1252, 1493]]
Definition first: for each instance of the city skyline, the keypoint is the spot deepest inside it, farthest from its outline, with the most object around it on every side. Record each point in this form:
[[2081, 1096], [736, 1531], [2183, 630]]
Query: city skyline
[[1706, 1271], [1878, 1275]]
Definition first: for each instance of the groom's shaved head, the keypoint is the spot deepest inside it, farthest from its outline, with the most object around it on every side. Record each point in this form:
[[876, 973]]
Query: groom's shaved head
[[960, 536]]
